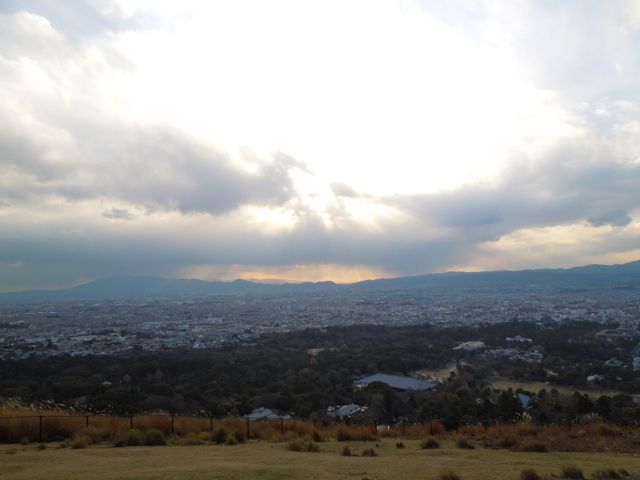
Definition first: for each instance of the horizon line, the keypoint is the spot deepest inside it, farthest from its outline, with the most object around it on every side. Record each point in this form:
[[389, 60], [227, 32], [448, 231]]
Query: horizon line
[[275, 281]]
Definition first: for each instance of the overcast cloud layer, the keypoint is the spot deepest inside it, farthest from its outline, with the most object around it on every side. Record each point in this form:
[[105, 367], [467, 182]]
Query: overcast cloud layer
[[315, 140]]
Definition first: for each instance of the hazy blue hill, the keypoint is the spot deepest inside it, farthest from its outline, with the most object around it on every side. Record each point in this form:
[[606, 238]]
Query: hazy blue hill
[[144, 286], [589, 276], [631, 267], [134, 286]]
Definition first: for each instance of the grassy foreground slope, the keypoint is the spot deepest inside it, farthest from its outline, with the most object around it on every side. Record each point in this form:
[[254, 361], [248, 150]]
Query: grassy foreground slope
[[263, 460]]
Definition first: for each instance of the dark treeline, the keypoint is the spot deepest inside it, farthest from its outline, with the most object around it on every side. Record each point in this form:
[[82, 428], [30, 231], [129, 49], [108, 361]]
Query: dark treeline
[[277, 371]]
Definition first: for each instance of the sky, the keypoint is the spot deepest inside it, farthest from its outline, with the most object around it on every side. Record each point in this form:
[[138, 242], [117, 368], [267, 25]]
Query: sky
[[315, 140]]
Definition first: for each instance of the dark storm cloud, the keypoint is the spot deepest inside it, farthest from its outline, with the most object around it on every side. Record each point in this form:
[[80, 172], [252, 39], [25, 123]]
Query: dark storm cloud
[[162, 169], [574, 183], [157, 168]]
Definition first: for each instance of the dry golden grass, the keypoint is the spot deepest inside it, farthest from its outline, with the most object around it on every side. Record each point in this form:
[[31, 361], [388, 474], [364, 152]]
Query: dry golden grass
[[259, 460], [596, 437], [58, 424]]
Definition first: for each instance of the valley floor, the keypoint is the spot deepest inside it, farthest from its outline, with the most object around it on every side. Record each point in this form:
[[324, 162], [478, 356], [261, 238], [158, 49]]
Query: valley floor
[[263, 460]]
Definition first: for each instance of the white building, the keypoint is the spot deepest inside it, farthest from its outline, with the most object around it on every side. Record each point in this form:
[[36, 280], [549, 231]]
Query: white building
[[470, 346]]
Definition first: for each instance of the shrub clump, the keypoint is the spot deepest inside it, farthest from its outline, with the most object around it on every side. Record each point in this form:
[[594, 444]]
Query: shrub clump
[[220, 436], [428, 443], [120, 442], [42, 446], [93, 434], [153, 436], [449, 475], [369, 452], [190, 440], [346, 451], [80, 441], [239, 436], [436, 427], [343, 435], [464, 443], [135, 437], [300, 446], [507, 442], [400, 445], [607, 474], [538, 447], [529, 474], [572, 472]]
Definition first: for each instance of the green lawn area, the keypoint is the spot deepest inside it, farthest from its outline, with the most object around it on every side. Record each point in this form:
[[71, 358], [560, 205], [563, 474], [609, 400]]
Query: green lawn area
[[504, 383], [262, 460]]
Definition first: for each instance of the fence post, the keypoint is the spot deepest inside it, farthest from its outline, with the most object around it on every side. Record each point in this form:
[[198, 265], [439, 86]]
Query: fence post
[[248, 430], [282, 425], [40, 428], [172, 429], [211, 424], [404, 428], [375, 427], [131, 422], [430, 427], [86, 423]]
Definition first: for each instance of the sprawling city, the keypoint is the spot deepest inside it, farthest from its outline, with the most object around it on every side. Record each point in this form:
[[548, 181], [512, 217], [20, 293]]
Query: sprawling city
[[104, 327]]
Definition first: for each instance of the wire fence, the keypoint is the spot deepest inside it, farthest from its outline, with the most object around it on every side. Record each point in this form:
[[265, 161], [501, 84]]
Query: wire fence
[[47, 427], [43, 428]]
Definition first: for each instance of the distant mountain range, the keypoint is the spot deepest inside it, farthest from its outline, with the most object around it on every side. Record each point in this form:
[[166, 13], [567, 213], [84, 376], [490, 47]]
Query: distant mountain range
[[625, 276]]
